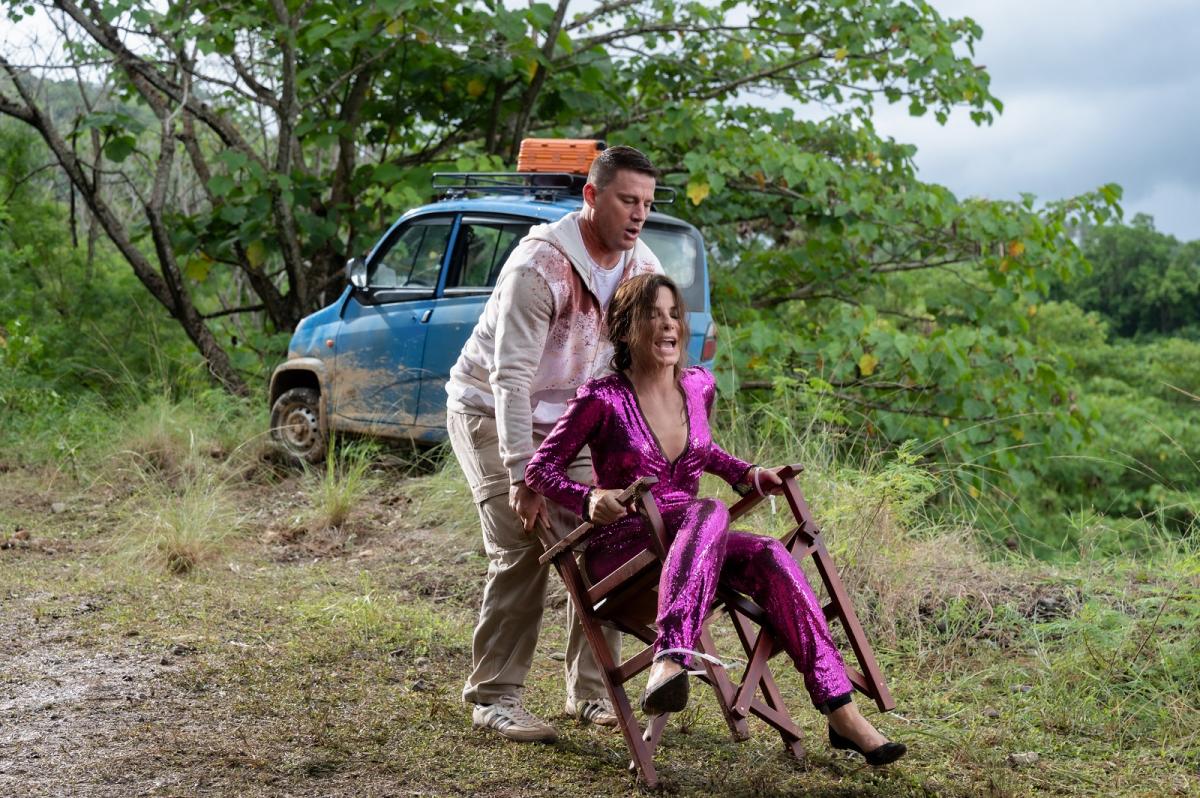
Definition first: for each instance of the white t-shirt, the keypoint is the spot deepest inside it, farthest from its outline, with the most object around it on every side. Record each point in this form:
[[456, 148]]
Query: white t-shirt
[[605, 280]]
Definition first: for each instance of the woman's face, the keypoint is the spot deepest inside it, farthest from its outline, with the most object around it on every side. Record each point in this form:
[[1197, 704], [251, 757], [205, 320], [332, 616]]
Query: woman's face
[[660, 348]]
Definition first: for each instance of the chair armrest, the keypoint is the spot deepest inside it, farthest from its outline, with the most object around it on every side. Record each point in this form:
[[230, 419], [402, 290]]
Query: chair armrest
[[632, 493], [752, 500]]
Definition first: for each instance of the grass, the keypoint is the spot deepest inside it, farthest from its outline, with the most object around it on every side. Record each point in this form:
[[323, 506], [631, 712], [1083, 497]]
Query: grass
[[180, 528], [278, 667], [340, 483]]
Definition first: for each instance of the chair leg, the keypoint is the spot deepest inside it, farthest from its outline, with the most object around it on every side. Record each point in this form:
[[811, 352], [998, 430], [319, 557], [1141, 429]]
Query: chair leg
[[788, 731], [643, 758], [853, 628], [843, 607], [771, 710], [643, 755], [759, 652], [724, 689]]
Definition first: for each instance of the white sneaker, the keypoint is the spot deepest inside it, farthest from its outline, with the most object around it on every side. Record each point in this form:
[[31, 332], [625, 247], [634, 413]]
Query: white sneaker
[[592, 710], [510, 719]]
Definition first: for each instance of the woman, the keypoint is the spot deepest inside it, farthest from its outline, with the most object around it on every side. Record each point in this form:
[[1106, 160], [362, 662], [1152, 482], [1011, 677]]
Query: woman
[[651, 418]]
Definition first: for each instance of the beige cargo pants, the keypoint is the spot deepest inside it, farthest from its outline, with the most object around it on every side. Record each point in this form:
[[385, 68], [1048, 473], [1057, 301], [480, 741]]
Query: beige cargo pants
[[510, 616]]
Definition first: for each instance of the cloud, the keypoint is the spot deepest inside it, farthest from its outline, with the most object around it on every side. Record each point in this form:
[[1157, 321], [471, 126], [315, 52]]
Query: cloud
[[1083, 44], [1174, 206], [1094, 92]]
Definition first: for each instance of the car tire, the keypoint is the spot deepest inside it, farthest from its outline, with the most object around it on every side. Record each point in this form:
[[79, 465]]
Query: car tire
[[296, 425]]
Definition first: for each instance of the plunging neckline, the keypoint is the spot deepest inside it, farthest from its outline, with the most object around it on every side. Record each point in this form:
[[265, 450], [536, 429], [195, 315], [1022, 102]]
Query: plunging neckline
[[687, 421]]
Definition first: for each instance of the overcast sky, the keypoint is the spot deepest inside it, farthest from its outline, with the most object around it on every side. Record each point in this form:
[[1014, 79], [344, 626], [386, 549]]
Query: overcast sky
[[1094, 91]]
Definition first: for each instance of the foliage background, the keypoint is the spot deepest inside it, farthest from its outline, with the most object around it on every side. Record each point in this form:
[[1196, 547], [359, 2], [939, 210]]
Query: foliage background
[[171, 210]]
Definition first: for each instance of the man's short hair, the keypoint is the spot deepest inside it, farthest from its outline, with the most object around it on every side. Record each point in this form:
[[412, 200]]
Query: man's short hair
[[614, 159]]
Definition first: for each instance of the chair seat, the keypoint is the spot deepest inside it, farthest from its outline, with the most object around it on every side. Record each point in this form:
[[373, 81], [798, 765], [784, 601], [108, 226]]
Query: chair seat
[[621, 580]]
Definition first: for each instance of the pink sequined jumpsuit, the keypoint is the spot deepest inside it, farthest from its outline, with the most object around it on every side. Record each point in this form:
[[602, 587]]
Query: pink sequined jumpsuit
[[605, 415]]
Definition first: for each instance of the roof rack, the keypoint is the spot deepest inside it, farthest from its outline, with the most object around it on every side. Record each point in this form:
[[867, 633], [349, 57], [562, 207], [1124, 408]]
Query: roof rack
[[542, 185], [546, 186]]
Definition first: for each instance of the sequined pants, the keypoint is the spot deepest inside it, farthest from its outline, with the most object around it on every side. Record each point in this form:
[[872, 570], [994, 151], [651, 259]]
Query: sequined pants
[[703, 552]]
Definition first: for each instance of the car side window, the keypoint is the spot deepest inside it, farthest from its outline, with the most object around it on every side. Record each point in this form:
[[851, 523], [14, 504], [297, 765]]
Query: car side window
[[483, 247], [414, 258], [678, 251]]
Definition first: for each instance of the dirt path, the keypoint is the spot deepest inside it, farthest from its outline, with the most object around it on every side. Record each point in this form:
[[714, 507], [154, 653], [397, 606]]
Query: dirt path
[[67, 710], [111, 680]]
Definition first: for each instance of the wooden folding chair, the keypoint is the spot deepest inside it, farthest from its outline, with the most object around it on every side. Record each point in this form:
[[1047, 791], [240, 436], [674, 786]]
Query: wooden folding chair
[[620, 601]]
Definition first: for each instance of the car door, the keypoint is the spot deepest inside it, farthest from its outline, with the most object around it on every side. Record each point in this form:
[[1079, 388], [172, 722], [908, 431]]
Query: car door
[[481, 246], [381, 342]]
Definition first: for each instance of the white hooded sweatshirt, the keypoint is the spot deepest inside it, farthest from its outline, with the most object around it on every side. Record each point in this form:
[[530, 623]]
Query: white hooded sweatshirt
[[542, 335]]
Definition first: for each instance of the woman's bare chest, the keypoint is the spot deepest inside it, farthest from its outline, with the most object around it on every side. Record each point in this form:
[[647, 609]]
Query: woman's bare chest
[[667, 419]]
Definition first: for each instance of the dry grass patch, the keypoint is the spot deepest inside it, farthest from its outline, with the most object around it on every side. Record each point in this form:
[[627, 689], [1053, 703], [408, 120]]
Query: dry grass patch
[[340, 676], [180, 529]]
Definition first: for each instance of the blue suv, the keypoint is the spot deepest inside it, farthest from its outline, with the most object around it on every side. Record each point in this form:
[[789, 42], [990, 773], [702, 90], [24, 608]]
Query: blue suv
[[376, 361]]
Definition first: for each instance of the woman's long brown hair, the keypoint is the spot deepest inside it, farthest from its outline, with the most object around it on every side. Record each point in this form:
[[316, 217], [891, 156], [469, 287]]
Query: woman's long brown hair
[[630, 318]]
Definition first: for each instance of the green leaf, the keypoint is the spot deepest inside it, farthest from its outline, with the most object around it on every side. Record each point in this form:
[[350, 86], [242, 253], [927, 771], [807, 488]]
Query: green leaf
[[234, 214], [387, 174], [220, 185], [198, 267], [119, 148], [256, 253]]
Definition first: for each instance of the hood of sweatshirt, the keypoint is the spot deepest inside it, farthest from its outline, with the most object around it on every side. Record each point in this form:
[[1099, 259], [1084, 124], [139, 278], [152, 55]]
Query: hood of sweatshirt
[[564, 236]]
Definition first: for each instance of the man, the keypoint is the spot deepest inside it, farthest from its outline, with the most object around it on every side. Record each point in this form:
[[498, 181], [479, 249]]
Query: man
[[541, 336]]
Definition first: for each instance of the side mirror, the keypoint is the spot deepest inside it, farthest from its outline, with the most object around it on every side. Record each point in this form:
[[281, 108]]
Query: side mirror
[[356, 273]]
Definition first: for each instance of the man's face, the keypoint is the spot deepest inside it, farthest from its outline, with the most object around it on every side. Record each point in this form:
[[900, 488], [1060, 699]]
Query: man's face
[[619, 210]]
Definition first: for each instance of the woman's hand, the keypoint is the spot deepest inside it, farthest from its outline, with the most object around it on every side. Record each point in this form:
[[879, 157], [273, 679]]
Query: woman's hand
[[603, 506], [769, 479]]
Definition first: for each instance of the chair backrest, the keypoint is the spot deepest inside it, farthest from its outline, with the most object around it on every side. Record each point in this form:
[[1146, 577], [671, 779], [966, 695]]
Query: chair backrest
[[554, 544]]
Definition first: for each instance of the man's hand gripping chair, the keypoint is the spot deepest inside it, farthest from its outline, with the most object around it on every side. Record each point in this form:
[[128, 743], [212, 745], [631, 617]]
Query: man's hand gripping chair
[[620, 600]]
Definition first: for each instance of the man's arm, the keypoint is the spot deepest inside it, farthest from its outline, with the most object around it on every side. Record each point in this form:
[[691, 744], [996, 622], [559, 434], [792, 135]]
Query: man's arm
[[526, 308]]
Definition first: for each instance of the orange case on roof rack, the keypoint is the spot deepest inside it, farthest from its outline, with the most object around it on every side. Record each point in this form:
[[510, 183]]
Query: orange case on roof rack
[[558, 155]]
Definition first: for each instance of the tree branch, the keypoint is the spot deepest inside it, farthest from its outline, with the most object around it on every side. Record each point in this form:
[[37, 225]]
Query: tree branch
[[288, 111], [808, 291], [759, 385], [17, 111], [539, 78], [712, 93], [354, 72], [232, 311], [261, 92], [33, 115], [888, 268], [141, 71], [599, 11]]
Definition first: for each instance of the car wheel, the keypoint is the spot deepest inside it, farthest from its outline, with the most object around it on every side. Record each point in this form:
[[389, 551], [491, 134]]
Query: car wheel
[[296, 424]]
